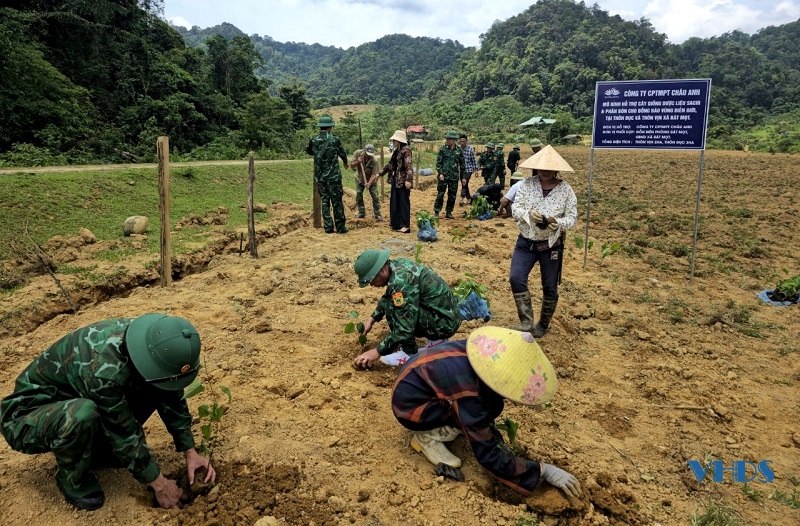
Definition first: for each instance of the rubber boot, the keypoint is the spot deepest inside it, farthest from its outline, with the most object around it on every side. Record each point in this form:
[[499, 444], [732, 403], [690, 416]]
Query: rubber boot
[[524, 311], [548, 309], [429, 443]]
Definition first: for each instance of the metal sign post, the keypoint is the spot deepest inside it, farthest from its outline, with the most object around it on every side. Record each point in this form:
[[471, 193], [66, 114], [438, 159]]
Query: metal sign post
[[651, 115]]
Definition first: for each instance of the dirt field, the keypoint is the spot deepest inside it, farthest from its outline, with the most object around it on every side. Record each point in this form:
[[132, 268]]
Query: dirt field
[[653, 371]]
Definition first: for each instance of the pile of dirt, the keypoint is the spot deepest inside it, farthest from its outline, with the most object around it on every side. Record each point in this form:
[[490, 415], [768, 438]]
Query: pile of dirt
[[653, 370]]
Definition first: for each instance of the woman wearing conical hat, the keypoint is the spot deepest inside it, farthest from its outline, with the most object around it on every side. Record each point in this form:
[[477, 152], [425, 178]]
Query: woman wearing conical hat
[[460, 387], [545, 207]]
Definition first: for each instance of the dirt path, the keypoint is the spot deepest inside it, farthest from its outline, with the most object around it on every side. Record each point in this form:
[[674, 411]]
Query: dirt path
[[311, 440], [129, 166]]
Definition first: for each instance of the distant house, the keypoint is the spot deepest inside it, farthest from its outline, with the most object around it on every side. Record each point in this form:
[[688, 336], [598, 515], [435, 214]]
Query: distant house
[[534, 121], [417, 130]]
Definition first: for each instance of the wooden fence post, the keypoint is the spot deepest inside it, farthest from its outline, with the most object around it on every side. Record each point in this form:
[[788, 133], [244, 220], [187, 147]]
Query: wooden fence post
[[162, 148], [251, 222]]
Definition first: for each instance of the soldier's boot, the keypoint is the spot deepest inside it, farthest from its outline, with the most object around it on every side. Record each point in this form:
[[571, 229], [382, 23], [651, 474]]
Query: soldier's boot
[[524, 311], [429, 443], [548, 309]]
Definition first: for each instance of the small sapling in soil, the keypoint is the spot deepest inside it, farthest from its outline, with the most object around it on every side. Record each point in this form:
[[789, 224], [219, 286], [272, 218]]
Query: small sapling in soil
[[355, 326]]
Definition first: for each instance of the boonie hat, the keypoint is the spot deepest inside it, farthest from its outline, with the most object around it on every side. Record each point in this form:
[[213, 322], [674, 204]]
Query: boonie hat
[[517, 176], [368, 264], [547, 159], [512, 364], [490, 145], [451, 135], [501, 145], [399, 135]]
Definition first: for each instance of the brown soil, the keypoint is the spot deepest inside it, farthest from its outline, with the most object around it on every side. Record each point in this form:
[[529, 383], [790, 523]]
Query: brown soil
[[653, 370]]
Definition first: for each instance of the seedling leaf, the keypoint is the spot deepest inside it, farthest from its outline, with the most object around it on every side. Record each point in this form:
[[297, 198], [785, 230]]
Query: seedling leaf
[[353, 314], [203, 411], [227, 391], [194, 388], [350, 328]]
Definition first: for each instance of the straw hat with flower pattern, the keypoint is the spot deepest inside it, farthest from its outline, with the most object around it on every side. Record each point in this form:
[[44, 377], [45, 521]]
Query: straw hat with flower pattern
[[512, 364], [547, 159]]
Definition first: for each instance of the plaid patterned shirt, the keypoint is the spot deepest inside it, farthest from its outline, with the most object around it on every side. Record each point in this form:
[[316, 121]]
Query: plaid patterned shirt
[[439, 387], [470, 160]]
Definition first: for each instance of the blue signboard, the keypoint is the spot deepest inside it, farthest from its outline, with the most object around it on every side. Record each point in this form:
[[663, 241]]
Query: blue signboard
[[651, 114]]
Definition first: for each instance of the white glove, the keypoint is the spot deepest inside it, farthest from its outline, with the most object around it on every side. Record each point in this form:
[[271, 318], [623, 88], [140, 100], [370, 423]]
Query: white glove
[[553, 226], [535, 215], [561, 479]]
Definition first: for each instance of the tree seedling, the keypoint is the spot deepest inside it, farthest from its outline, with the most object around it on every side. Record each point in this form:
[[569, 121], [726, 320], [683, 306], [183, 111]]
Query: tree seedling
[[606, 249], [417, 251], [459, 234], [357, 326], [479, 207], [210, 415], [787, 289], [422, 215], [579, 242], [466, 286]]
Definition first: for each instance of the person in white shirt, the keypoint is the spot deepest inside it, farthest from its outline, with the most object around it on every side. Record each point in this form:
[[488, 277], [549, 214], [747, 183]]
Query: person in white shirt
[[507, 200], [544, 208]]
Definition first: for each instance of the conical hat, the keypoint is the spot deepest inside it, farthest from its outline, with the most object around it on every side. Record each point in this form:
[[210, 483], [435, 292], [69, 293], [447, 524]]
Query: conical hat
[[512, 364], [547, 159]]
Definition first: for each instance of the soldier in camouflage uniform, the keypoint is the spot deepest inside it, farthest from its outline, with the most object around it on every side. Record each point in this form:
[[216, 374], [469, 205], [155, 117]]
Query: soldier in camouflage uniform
[[450, 166], [325, 147], [417, 303], [93, 389], [488, 163], [366, 166], [501, 164]]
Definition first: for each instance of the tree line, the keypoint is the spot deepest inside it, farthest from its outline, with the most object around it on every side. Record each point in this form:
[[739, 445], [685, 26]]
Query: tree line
[[99, 80]]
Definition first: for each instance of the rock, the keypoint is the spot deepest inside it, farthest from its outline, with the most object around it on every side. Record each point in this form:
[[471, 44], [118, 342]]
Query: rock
[[259, 208], [269, 520], [580, 312], [796, 439], [548, 520], [135, 225], [262, 327], [295, 391], [363, 495], [87, 236], [335, 384], [641, 335], [356, 298], [337, 504], [213, 495], [603, 314], [395, 499], [332, 441]]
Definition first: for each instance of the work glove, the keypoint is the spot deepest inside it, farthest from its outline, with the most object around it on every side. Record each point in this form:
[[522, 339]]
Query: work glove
[[553, 226], [536, 216], [561, 479]]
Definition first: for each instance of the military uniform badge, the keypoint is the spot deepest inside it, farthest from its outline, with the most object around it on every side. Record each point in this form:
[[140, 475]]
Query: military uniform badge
[[398, 300]]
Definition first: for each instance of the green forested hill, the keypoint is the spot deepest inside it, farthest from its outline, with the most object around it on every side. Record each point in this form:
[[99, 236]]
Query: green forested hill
[[392, 69], [99, 81]]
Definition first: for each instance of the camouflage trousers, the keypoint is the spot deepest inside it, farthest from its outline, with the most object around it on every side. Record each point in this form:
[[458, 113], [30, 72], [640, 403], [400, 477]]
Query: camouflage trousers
[[71, 430], [451, 187], [376, 200], [330, 194], [502, 176], [489, 178], [431, 325]]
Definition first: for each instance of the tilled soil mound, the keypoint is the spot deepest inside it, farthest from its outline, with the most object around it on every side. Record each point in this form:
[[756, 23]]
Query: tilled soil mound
[[653, 371]]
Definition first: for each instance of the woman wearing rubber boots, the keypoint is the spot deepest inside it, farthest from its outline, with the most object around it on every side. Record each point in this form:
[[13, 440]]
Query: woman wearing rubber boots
[[545, 207]]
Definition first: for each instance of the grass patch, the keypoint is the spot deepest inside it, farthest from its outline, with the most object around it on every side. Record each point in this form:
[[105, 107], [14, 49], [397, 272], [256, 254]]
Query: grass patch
[[792, 500], [715, 514], [102, 200]]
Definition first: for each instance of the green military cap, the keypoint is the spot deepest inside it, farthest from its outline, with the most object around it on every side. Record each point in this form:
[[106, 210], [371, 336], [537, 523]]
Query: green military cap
[[326, 121], [536, 143], [516, 147], [165, 350], [368, 264], [501, 145], [490, 145], [451, 135]]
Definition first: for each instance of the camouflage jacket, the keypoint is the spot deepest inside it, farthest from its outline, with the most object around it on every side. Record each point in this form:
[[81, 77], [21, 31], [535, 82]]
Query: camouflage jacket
[[417, 302], [501, 161], [93, 363], [488, 161], [325, 147], [450, 162]]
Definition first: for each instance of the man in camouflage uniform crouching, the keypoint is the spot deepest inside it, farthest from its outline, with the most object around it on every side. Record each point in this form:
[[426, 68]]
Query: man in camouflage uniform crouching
[[86, 397], [417, 303]]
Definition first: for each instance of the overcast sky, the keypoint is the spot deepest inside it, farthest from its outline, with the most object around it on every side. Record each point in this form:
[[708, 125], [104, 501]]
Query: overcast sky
[[346, 23]]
